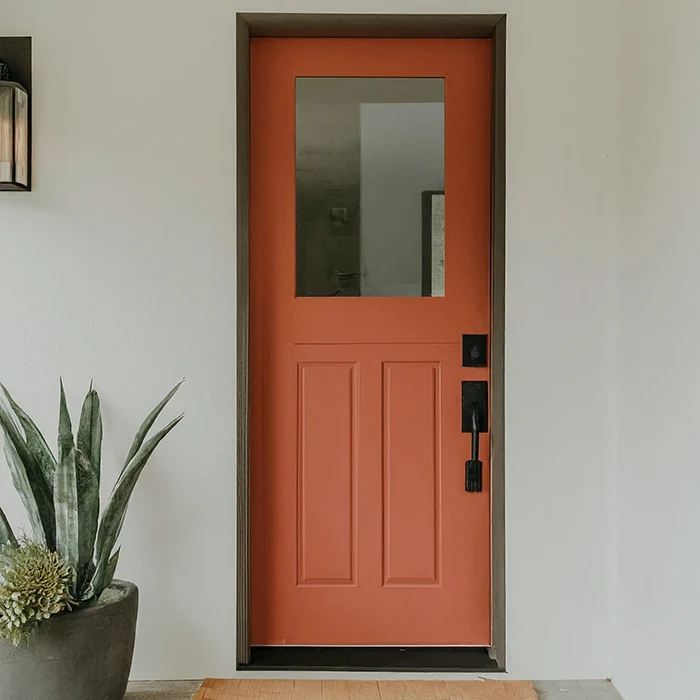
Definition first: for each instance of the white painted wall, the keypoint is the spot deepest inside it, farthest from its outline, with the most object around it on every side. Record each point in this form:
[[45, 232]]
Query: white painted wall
[[658, 354], [120, 266], [402, 154]]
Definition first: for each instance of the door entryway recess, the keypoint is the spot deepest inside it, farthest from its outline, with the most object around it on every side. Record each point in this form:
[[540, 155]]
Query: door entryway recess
[[370, 332]]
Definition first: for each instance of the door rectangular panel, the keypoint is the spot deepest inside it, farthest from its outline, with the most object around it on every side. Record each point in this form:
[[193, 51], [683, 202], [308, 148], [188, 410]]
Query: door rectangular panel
[[411, 447], [326, 470]]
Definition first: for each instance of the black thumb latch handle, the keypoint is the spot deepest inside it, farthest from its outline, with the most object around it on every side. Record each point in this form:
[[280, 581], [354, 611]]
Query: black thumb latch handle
[[474, 468], [473, 479]]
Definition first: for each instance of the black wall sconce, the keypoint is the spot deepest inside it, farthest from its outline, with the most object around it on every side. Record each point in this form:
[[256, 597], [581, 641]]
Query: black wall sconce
[[15, 115]]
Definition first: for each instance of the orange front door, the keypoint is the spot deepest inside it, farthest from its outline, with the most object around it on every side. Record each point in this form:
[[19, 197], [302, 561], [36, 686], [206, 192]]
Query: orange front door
[[370, 258]]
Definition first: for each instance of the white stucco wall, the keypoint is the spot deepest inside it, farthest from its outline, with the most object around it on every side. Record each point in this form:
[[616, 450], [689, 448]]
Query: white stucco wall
[[658, 577], [120, 265]]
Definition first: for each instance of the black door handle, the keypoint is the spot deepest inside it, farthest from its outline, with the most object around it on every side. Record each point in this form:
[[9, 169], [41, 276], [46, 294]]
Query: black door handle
[[475, 419], [474, 468]]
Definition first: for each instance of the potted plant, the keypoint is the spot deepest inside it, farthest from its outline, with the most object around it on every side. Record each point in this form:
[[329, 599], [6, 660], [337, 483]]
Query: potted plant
[[67, 628]]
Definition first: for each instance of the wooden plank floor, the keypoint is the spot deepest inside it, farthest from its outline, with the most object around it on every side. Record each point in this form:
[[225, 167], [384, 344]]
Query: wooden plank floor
[[252, 689]]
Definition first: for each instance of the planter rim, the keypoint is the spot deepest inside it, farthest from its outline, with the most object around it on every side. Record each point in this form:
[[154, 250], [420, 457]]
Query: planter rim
[[126, 590]]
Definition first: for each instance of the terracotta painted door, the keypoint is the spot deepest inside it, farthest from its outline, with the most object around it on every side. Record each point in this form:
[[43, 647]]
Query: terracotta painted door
[[362, 531]]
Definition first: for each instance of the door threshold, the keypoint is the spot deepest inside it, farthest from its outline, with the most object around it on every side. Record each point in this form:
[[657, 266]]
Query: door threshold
[[413, 659]]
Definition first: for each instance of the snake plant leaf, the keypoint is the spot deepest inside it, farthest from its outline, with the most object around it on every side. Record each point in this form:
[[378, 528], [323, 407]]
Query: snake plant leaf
[[37, 493], [113, 517], [106, 576], [65, 427], [65, 491], [88, 517], [6, 534], [88, 461], [35, 440], [148, 423], [20, 481], [66, 505], [112, 567], [89, 437]]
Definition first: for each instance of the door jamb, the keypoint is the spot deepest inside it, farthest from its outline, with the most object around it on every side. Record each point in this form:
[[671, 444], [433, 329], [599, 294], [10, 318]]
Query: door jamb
[[375, 26]]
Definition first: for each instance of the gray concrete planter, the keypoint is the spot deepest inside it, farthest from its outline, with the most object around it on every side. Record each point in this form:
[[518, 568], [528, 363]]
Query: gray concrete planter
[[82, 655]]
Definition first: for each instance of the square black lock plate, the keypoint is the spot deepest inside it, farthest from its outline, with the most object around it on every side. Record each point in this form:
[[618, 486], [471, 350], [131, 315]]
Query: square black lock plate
[[474, 350]]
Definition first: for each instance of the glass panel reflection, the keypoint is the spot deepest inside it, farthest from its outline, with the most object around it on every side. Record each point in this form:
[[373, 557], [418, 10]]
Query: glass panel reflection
[[369, 186]]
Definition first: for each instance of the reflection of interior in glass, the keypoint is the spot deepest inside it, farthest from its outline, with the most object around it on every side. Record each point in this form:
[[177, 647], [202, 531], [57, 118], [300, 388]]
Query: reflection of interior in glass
[[368, 150], [433, 244]]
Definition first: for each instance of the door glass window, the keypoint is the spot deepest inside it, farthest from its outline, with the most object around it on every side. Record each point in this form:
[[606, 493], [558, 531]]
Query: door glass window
[[370, 200]]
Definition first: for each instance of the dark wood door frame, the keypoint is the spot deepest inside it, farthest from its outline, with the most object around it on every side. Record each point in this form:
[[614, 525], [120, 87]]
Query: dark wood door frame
[[373, 26]]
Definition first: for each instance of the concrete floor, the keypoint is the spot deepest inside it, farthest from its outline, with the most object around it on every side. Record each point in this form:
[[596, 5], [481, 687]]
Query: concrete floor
[[547, 690]]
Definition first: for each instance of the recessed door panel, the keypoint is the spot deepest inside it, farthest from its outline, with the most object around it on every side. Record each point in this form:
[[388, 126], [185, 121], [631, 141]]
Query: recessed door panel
[[412, 466], [326, 473]]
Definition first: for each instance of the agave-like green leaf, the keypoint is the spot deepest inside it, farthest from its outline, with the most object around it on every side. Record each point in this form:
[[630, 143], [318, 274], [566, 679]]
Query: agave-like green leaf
[[148, 423], [113, 517], [23, 488], [66, 505], [111, 568], [88, 460], [89, 438], [88, 518], [36, 490], [65, 427], [35, 440], [65, 491], [6, 534]]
